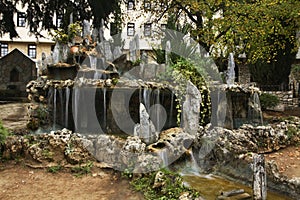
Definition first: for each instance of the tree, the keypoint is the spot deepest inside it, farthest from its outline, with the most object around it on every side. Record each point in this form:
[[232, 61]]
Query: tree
[[265, 30], [40, 13]]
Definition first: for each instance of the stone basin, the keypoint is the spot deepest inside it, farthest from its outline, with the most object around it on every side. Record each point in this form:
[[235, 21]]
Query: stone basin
[[62, 71]]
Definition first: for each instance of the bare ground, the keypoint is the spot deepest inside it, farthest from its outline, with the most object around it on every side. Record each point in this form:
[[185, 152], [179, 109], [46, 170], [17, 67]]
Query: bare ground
[[20, 182]]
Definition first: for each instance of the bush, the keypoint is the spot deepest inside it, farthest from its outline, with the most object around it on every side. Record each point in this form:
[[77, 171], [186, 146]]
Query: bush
[[171, 189], [268, 101], [3, 134]]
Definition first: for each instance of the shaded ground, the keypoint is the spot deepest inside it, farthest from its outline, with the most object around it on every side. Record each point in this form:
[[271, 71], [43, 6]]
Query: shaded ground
[[20, 182], [288, 161]]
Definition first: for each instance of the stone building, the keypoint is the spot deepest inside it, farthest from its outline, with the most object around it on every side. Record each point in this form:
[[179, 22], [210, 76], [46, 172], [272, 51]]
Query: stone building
[[16, 70]]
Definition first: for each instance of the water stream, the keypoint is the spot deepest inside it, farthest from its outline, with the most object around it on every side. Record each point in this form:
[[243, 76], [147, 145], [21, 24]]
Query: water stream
[[54, 109], [210, 186], [67, 107]]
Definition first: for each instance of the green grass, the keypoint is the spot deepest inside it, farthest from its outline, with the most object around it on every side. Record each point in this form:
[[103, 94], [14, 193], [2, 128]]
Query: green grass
[[81, 170]]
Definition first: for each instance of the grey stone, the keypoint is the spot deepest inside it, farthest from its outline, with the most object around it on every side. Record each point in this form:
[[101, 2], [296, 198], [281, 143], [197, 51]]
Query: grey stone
[[191, 109], [145, 129]]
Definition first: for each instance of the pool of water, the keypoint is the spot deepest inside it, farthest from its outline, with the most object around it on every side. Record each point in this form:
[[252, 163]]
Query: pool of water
[[210, 186]]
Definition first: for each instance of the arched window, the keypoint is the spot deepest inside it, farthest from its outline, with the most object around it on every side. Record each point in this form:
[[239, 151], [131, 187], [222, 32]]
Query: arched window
[[14, 75]]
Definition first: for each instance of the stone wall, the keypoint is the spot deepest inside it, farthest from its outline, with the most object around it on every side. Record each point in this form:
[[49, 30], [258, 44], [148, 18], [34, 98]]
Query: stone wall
[[244, 74], [286, 98]]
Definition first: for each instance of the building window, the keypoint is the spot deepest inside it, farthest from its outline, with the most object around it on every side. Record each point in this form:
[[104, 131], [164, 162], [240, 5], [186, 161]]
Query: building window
[[14, 75], [4, 49], [147, 4], [59, 20], [130, 4], [32, 50], [147, 30], [21, 19], [130, 29]]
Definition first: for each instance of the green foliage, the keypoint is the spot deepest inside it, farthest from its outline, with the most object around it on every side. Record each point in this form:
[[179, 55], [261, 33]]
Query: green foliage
[[171, 189], [264, 30], [54, 169], [182, 71], [3, 133], [47, 154], [159, 55], [81, 170], [291, 132], [268, 101], [136, 62], [295, 70], [65, 36]]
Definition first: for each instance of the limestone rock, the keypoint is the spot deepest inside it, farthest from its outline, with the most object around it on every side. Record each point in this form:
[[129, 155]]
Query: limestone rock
[[132, 148], [145, 129], [191, 109], [159, 180]]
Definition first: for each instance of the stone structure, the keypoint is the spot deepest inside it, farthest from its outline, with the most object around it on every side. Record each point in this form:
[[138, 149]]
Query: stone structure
[[16, 70], [191, 109], [286, 98], [244, 75]]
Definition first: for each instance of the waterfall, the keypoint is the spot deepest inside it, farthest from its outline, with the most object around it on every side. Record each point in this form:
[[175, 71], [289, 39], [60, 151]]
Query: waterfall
[[61, 109], [194, 165], [97, 75], [56, 53], [146, 99], [54, 109], [230, 71], [76, 107], [254, 110], [158, 128], [140, 95], [104, 109], [163, 154], [93, 62], [67, 107], [171, 109]]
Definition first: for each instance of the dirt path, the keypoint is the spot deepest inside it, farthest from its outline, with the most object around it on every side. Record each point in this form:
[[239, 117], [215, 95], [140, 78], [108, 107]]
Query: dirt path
[[287, 160], [20, 182]]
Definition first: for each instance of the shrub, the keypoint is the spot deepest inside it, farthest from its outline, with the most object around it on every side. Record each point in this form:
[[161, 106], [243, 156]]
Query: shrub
[[268, 101], [295, 71], [172, 188], [3, 134]]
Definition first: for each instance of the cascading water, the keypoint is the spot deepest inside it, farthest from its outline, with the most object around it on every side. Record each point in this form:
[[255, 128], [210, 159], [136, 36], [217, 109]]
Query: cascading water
[[54, 109], [93, 62], [67, 107], [171, 109], [254, 110], [157, 111], [56, 53], [61, 100], [76, 107], [163, 154], [104, 109], [146, 97], [230, 71]]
